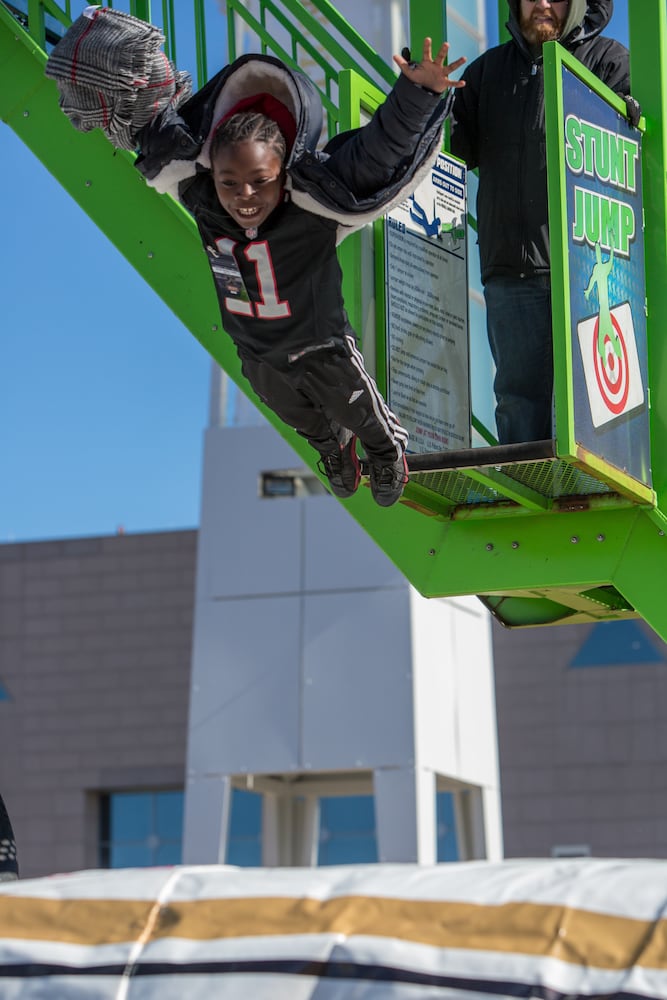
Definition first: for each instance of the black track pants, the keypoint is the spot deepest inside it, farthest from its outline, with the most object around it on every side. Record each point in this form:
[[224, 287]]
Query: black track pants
[[327, 389]]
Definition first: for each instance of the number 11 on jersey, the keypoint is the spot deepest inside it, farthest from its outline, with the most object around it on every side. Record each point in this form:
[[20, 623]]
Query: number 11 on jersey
[[270, 305]]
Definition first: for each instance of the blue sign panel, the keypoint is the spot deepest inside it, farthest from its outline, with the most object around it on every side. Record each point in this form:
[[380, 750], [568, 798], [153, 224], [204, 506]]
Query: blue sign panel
[[606, 277]]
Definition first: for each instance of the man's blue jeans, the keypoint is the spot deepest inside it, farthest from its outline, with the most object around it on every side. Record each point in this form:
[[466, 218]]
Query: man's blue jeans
[[518, 320]]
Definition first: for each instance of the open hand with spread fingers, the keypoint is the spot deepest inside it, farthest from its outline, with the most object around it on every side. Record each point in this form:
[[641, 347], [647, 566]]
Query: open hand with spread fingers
[[431, 73]]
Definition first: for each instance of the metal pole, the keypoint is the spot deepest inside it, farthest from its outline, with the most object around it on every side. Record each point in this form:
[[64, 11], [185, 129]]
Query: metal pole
[[427, 18], [648, 65], [503, 13]]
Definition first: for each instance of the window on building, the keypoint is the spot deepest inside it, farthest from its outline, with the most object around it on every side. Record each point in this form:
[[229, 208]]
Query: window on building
[[571, 851], [347, 834], [290, 483], [447, 844], [244, 847], [141, 829], [347, 831]]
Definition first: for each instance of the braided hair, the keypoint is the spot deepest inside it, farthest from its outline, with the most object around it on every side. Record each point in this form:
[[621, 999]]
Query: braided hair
[[249, 126]]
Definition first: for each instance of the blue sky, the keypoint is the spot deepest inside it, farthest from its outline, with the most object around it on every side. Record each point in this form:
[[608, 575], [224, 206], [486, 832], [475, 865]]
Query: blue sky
[[103, 392]]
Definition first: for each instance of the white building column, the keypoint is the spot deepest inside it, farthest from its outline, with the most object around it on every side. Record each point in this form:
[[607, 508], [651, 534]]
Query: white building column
[[312, 655], [290, 830], [207, 815], [405, 814]]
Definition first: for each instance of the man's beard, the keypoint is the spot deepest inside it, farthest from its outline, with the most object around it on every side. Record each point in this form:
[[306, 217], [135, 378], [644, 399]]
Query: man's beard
[[542, 31]]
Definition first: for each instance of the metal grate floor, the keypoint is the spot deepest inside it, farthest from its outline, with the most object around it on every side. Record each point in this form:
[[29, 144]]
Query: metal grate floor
[[551, 479]]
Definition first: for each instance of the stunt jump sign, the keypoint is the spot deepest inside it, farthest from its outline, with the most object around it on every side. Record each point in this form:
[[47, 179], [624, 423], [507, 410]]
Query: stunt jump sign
[[605, 267]]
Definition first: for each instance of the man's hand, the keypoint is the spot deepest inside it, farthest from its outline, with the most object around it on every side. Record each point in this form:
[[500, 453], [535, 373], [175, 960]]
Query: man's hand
[[431, 73]]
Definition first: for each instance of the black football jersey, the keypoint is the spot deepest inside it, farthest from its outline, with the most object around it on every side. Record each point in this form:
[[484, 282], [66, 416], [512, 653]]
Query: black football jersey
[[279, 292]]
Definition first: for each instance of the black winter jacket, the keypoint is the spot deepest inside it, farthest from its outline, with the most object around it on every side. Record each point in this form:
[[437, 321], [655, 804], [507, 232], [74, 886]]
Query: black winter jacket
[[289, 266], [497, 125], [358, 176]]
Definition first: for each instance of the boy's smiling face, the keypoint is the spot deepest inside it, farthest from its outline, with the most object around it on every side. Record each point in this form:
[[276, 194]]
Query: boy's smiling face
[[248, 178]]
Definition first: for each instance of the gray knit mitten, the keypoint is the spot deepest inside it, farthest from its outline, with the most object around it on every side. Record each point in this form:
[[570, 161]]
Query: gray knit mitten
[[112, 74]]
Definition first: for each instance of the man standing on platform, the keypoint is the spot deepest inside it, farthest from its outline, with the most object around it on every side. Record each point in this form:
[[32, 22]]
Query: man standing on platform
[[497, 125]]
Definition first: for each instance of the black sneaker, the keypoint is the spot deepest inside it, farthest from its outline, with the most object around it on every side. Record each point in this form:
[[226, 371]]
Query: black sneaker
[[388, 480], [342, 468]]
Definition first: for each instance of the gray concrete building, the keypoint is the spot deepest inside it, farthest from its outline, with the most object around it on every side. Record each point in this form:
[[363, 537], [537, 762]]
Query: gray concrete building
[[95, 646], [582, 720], [95, 653]]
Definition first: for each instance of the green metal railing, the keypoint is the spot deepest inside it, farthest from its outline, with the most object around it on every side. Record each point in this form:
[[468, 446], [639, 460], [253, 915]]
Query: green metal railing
[[311, 36], [490, 528], [311, 40]]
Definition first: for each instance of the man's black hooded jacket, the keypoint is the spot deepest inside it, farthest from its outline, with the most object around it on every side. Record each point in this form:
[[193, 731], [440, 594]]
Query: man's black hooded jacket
[[497, 125]]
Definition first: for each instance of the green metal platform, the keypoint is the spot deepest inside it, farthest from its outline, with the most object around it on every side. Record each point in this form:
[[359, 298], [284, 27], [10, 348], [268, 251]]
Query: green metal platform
[[541, 532]]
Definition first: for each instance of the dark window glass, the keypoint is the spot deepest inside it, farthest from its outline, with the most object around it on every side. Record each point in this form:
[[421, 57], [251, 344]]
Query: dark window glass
[[169, 816], [347, 831], [141, 829], [131, 817], [130, 856], [244, 847], [447, 845]]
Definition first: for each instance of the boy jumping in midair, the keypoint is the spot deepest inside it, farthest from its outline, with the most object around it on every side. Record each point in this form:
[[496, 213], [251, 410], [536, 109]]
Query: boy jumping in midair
[[274, 209]]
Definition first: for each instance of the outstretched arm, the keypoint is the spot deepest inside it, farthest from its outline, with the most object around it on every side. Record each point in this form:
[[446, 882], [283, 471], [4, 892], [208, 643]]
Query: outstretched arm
[[432, 73], [402, 135]]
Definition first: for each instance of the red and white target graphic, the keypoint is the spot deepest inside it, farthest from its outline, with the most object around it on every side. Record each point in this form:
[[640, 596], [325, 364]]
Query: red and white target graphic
[[611, 371], [613, 383]]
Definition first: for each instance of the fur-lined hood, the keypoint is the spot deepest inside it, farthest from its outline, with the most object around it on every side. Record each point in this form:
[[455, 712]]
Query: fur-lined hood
[[169, 166], [585, 20], [107, 52], [164, 165]]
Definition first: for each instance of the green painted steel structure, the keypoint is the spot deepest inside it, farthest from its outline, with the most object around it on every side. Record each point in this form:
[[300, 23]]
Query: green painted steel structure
[[541, 539]]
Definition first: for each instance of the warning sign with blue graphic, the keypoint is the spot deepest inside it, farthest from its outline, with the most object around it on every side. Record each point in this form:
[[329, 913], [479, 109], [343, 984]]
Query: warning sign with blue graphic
[[428, 371]]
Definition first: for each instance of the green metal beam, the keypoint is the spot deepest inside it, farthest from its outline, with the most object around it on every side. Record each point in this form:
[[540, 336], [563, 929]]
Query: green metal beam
[[648, 64], [141, 9], [503, 14], [442, 554], [153, 232], [641, 570], [156, 235], [510, 489], [428, 18], [584, 548]]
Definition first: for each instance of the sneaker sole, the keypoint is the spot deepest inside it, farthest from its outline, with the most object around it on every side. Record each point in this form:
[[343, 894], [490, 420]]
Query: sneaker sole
[[344, 492], [356, 464], [390, 500]]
